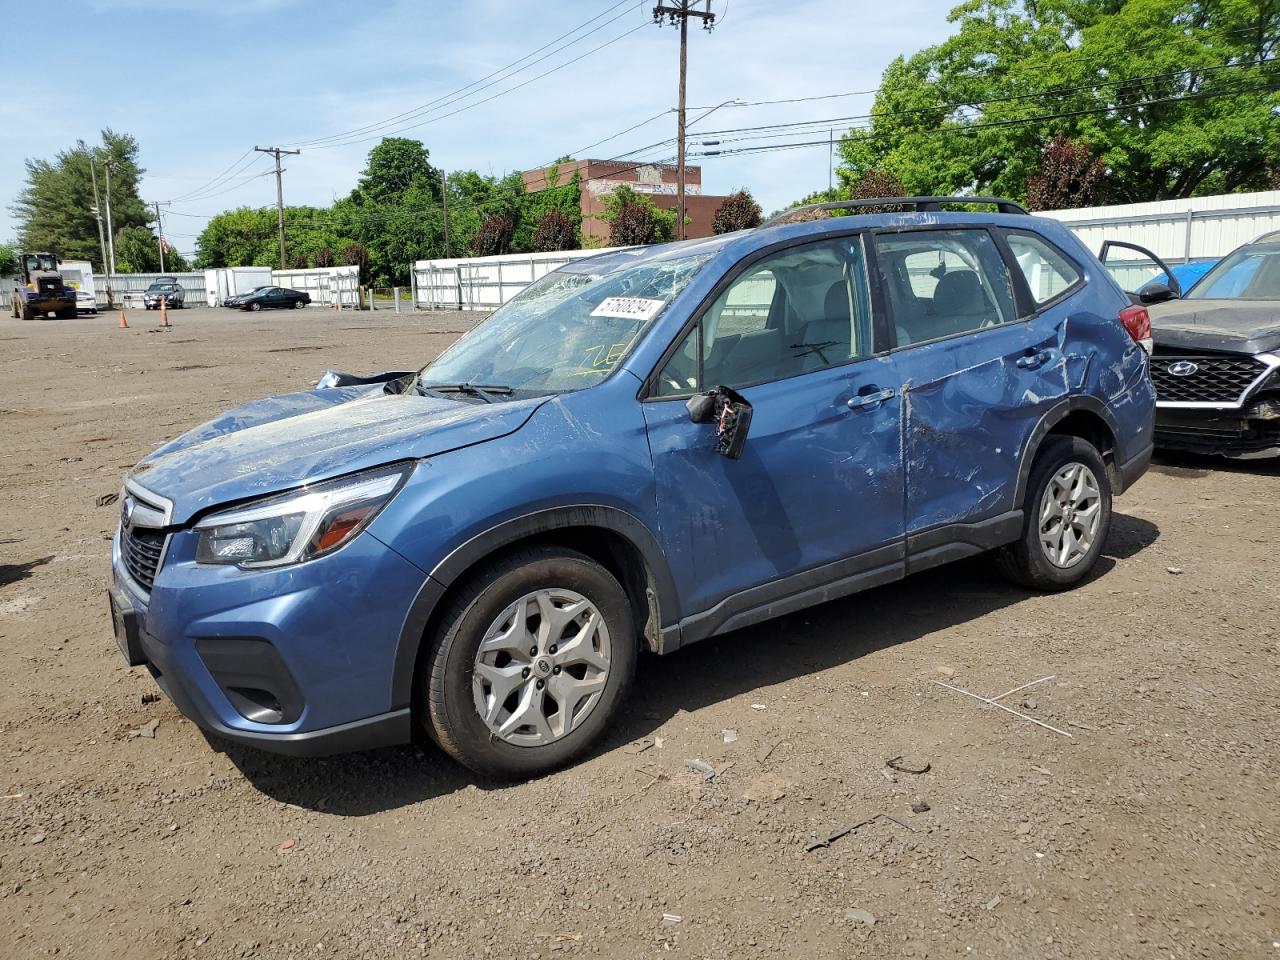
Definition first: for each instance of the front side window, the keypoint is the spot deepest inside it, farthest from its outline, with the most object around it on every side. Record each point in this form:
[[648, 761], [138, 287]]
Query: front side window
[[943, 282], [566, 331], [1047, 270], [802, 309]]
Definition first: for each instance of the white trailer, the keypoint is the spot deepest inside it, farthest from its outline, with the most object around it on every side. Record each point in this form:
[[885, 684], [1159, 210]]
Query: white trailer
[[79, 275], [223, 282]]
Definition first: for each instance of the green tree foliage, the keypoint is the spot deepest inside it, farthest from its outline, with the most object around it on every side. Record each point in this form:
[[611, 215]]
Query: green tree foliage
[[357, 255], [738, 212], [138, 251], [493, 237], [554, 231], [635, 219], [249, 237], [396, 168], [564, 198], [974, 112], [8, 259], [54, 207], [1070, 176]]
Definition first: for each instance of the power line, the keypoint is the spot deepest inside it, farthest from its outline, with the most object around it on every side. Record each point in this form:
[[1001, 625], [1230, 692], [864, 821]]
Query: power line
[[211, 182], [500, 93], [277, 151], [483, 83]]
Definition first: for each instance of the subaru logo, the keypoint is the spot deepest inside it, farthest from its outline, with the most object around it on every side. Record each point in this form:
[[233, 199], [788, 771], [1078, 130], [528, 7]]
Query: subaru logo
[[126, 510], [1183, 368]]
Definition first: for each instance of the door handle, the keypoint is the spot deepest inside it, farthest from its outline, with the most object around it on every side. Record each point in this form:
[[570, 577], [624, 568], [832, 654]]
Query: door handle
[[870, 399], [1033, 360]]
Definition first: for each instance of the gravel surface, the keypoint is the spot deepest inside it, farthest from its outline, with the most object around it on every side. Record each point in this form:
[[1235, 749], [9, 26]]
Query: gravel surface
[[1150, 831]]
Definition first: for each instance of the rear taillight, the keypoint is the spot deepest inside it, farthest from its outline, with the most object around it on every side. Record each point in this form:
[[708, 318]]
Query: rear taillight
[[1138, 322]]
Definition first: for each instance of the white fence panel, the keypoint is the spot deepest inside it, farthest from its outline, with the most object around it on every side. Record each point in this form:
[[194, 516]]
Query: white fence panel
[[1178, 230], [192, 284], [484, 283], [326, 285]]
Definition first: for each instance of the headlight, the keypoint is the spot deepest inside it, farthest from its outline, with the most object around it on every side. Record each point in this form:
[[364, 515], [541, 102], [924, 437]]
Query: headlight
[[298, 526]]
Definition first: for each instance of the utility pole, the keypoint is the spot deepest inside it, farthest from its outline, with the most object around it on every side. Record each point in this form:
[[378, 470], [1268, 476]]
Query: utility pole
[[111, 234], [680, 11], [279, 192], [444, 195], [97, 213], [159, 232]]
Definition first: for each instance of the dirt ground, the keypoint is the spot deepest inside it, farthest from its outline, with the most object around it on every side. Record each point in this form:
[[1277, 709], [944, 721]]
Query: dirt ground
[[1150, 831]]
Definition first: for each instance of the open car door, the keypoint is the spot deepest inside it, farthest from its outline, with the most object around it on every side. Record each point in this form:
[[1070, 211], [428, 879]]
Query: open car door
[[1141, 274]]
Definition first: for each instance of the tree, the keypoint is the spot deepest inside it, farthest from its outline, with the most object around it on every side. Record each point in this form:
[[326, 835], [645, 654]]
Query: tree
[[396, 166], [554, 231], [493, 237], [634, 219], [738, 212], [8, 259], [297, 261], [872, 184], [322, 258], [54, 207], [249, 237], [138, 251], [357, 255], [1070, 176], [1170, 93], [566, 199]]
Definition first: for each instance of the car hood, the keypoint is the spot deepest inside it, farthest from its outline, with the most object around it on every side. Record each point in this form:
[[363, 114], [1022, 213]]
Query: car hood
[[1237, 326], [279, 443]]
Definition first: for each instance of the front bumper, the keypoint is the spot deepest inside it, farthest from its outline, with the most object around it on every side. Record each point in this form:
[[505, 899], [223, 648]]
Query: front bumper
[[1248, 432], [299, 660]]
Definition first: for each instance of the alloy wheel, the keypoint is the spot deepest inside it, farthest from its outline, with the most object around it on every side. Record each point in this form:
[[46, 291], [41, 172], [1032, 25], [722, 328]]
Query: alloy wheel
[[1070, 514], [541, 667]]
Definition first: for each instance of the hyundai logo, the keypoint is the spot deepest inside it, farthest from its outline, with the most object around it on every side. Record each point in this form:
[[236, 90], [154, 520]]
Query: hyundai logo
[[126, 510], [1183, 368]]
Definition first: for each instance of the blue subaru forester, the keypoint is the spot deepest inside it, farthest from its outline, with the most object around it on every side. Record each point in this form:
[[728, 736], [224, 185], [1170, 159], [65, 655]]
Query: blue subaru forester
[[643, 449]]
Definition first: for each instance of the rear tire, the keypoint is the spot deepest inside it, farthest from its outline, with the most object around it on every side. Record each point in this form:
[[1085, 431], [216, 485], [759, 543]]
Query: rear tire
[[576, 616], [298, 304], [1066, 517]]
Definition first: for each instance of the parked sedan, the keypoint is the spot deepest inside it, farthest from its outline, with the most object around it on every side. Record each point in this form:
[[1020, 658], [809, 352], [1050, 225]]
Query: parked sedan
[[86, 302], [1216, 363], [267, 297], [172, 295]]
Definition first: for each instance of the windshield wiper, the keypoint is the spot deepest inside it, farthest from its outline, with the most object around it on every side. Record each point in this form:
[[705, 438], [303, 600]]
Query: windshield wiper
[[489, 393]]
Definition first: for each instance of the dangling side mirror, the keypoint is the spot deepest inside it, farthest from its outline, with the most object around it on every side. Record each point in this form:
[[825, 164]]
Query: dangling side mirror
[[730, 412]]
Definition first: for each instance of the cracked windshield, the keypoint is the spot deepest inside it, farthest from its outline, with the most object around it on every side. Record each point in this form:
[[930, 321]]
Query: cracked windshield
[[565, 332]]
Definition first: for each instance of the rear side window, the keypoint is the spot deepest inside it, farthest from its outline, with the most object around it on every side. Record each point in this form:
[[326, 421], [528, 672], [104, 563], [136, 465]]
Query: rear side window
[[1048, 271], [944, 282]]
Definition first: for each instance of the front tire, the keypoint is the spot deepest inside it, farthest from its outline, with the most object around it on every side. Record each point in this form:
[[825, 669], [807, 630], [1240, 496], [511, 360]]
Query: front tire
[[255, 307], [1066, 517], [531, 664]]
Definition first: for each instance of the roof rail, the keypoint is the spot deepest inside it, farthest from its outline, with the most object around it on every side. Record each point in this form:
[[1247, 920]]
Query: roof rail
[[921, 204]]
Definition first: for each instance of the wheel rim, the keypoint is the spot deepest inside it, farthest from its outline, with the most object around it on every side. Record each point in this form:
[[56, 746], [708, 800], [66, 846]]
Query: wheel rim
[[541, 668], [1070, 514]]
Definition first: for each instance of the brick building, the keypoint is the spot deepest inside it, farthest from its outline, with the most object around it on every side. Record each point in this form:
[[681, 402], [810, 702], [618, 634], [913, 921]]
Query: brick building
[[657, 180]]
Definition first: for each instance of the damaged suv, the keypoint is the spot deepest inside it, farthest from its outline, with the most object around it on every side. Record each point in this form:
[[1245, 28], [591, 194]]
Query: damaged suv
[[643, 449]]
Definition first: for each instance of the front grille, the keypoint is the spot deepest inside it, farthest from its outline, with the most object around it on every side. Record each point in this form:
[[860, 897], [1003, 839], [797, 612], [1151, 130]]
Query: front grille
[[141, 547], [1215, 378]]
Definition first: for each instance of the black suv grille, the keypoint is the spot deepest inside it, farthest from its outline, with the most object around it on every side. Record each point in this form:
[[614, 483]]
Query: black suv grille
[[1220, 378], [141, 548]]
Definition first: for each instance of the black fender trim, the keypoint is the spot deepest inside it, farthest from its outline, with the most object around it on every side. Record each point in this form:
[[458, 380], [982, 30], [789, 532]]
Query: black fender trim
[[462, 558], [1052, 417]]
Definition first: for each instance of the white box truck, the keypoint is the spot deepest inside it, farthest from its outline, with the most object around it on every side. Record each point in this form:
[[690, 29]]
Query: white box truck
[[222, 283], [78, 274]]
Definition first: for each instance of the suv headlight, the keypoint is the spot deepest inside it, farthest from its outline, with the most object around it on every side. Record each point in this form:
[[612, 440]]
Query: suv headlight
[[298, 526]]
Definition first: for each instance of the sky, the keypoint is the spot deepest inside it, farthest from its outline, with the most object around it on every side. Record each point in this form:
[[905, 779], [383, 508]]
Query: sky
[[201, 82]]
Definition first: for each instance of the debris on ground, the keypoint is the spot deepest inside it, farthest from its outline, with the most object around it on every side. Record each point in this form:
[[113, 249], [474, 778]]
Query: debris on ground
[[944, 672], [38, 838], [764, 752], [1174, 570], [858, 915], [148, 729], [287, 845], [759, 706], [638, 746], [920, 806], [729, 736], [150, 698], [106, 499], [701, 766], [672, 918], [819, 844], [903, 765], [1029, 703], [992, 903]]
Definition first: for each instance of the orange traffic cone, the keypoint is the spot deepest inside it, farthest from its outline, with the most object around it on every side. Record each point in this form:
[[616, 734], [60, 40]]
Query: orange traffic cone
[[164, 313], [124, 324]]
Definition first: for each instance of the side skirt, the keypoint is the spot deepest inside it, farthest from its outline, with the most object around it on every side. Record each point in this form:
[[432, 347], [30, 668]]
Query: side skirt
[[919, 551]]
